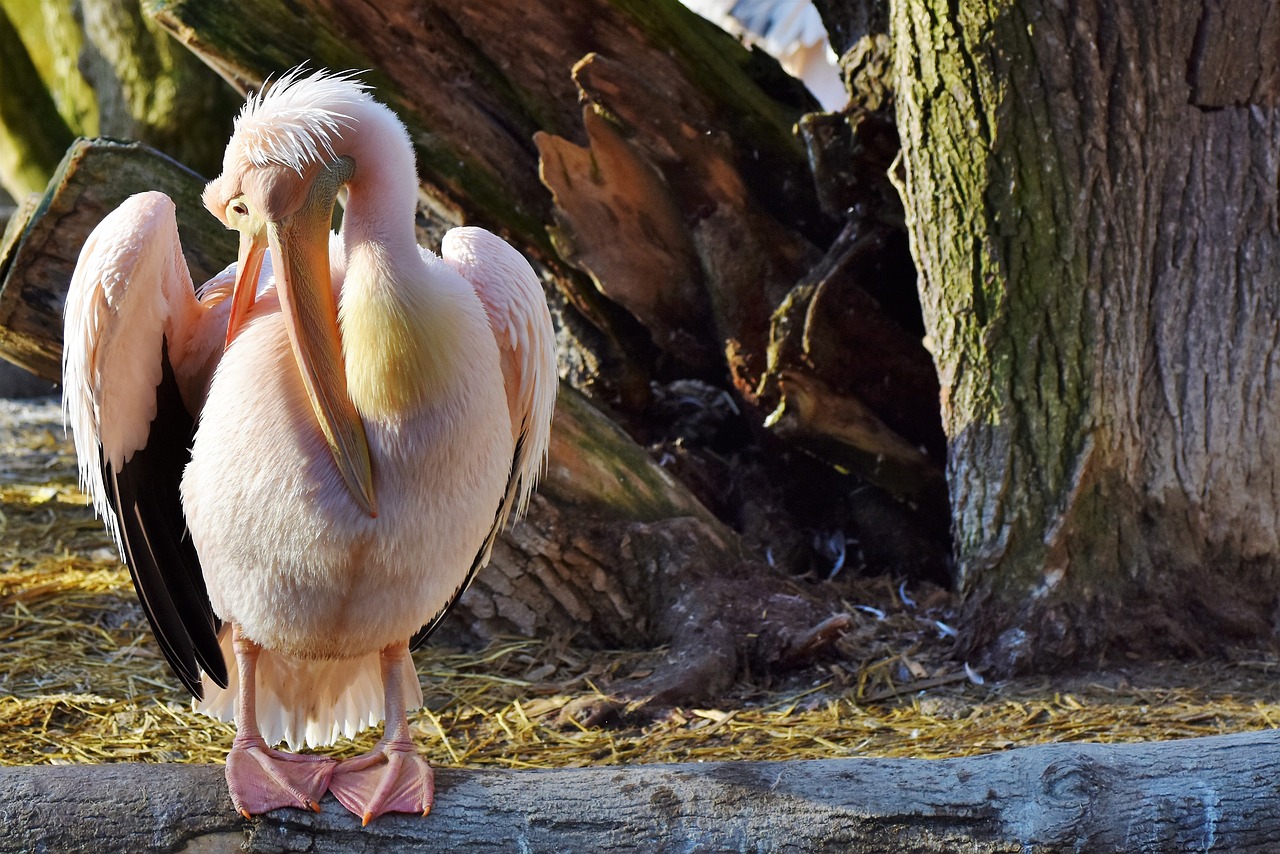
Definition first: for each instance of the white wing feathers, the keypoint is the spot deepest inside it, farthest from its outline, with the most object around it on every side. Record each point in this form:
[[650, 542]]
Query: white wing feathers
[[512, 295], [131, 411], [130, 286]]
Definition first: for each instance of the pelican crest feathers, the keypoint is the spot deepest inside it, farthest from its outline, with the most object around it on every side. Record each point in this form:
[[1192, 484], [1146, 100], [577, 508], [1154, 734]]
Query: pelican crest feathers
[[294, 121]]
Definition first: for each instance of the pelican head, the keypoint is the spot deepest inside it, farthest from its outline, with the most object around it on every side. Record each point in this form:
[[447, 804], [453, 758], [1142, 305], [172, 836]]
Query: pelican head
[[281, 175]]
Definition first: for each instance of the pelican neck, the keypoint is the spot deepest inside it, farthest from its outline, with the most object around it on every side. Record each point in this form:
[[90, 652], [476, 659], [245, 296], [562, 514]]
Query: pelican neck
[[382, 195]]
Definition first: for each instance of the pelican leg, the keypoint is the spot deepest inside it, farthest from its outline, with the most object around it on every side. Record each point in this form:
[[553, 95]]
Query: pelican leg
[[260, 778], [392, 777]]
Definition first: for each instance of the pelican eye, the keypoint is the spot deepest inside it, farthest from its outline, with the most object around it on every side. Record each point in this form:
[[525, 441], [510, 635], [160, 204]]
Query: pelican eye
[[237, 212]]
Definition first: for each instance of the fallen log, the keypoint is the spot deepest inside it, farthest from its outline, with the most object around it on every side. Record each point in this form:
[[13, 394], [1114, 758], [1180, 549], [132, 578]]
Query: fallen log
[[1206, 794], [651, 163], [615, 550], [43, 242]]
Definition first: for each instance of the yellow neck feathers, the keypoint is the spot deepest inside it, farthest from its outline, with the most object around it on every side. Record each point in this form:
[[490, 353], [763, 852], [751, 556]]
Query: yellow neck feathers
[[404, 344]]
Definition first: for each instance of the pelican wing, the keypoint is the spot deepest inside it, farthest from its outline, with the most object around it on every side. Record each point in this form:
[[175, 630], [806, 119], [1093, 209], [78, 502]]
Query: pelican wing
[[132, 318], [513, 298], [521, 323]]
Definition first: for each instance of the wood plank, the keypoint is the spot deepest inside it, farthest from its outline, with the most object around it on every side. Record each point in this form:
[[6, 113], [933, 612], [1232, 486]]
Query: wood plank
[[1207, 794]]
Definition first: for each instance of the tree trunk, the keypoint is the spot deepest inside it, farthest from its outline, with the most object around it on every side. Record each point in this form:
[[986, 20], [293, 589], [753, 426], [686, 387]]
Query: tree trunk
[[31, 130], [1195, 795], [102, 68], [151, 89], [1091, 191]]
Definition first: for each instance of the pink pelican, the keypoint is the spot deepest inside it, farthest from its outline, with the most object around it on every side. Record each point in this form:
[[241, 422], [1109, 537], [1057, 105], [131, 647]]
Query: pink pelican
[[342, 423]]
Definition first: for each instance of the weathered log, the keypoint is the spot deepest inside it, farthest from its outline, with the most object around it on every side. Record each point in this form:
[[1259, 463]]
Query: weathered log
[[731, 260], [681, 189], [615, 550], [1202, 794], [475, 81], [43, 243], [649, 201]]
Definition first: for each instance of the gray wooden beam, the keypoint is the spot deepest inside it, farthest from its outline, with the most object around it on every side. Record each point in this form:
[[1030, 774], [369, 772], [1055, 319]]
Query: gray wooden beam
[[1210, 794]]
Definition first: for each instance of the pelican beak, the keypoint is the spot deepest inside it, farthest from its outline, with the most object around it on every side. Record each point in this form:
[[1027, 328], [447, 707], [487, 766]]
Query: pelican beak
[[253, 245], [300, 255]]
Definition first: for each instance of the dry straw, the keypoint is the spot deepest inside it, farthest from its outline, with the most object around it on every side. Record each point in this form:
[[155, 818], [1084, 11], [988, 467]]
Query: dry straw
[[81, 679]]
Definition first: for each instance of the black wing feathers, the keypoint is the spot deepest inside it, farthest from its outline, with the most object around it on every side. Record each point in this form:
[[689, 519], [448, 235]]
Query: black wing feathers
[[158, 550]]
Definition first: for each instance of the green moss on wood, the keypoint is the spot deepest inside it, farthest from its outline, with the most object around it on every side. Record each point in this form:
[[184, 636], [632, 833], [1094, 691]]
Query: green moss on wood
[[596, 466], [151, 88], [53, 39], [33, 134], [1003, 288]]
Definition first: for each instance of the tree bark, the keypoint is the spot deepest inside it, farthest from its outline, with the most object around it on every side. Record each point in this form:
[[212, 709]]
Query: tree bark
[[53, 39], [1195, 795], [102, 69], [1091, 191], [150, 88], [31, 129]]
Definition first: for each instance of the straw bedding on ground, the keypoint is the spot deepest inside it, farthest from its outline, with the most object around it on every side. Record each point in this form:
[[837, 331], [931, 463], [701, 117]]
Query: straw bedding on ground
[[82, 681]]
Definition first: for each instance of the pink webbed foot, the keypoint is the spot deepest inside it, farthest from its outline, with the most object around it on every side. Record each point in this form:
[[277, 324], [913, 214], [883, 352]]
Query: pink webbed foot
[[390, 778], [261, 779]]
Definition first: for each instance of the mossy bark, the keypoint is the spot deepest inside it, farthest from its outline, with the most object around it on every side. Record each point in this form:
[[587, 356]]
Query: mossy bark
[[102, 69], [1098, 256], [53, 39], [33, 134], [152, 89]]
